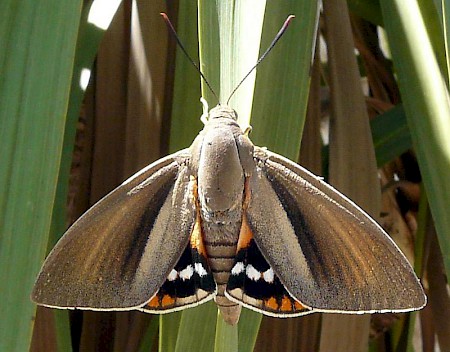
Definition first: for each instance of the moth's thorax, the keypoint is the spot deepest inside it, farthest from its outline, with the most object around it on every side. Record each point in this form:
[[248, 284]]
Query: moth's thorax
[[222, 157]]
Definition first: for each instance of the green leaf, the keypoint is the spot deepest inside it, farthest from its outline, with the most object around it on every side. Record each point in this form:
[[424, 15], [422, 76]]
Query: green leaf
[[229, 47], [195, 332], [62, 328], [390, 135], [185, 125], [226, 336], [432, 17], [37, 48], [88, 40], [150, 335], [367, 9], [186, 106], [446, 29], [248, 328], [282, 82], [427, 105]]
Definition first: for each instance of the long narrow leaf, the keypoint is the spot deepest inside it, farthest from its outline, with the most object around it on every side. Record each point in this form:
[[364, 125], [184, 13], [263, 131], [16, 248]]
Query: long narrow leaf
[[226, 67], [225, 26], [427, 105], [186, 106], [197, 320], [37, 52], [282, 82], [185, 124]]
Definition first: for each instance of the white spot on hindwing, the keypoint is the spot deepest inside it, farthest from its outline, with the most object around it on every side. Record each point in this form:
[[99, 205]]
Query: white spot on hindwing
[[252, 273], [237, 268], [200, 269], [187, 273], [268, 275], [172, 275]]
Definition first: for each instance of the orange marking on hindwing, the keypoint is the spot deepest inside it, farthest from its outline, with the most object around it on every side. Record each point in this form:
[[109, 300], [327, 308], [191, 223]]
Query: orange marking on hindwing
[[161, 302], [197, 232], [299, 306], [245, 234], [167, 301], [154, 302], [286, 304], [196, 238], [271, 303]]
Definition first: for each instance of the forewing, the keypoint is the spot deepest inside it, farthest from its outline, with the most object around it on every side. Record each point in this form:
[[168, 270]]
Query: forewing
[[329, 254], [118, 254]]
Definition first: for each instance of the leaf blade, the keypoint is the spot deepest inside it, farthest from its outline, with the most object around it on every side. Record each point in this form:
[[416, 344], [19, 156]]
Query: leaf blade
[[37, 59]]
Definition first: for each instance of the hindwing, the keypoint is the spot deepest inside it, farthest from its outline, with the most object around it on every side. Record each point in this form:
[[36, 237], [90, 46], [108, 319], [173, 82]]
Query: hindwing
[[190, 282], [254, 284]]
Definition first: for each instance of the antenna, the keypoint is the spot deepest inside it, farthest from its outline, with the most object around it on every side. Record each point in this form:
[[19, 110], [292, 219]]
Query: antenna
[[180, 44], [263, 56]]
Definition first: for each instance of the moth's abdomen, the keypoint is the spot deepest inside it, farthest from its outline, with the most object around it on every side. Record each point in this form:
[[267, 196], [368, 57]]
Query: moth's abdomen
[[221, 245]]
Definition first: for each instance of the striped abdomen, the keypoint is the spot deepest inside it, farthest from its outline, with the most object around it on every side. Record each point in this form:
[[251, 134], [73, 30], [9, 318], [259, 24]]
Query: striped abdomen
[[221, 244]]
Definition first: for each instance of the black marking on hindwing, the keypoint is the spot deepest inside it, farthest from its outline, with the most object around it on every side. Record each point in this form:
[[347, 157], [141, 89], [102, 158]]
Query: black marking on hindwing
[[251, 258], [258, 285], [192, 272], [189, 282]]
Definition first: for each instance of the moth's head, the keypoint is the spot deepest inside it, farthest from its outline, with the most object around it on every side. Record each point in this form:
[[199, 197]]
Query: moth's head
[[220, 111], [223, 111]]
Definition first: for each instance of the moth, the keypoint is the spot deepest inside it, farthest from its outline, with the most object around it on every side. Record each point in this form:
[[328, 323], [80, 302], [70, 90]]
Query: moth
[[229, 221]]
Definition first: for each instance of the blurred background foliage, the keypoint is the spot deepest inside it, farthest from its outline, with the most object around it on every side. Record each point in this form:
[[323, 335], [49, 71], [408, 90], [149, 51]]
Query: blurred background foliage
[[92, 91]]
